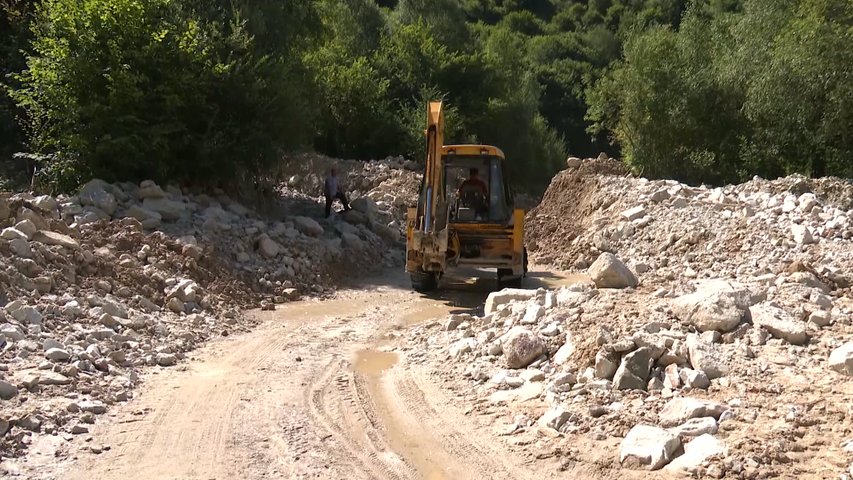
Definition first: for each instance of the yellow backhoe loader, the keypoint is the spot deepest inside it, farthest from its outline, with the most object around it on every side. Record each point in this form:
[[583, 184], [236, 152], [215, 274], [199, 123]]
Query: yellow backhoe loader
[[465, 214]]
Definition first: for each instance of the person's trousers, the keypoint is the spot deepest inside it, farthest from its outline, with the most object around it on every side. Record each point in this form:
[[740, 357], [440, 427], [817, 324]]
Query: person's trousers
[[329, 200]]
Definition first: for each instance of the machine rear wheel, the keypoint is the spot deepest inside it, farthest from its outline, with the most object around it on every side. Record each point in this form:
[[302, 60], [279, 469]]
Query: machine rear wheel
[[424, 281]]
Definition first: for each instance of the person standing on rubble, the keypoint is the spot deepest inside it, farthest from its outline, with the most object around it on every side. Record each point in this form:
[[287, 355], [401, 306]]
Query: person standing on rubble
[[332, 190]]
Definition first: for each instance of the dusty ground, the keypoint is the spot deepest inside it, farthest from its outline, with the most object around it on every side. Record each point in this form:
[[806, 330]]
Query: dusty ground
[[314, 392]]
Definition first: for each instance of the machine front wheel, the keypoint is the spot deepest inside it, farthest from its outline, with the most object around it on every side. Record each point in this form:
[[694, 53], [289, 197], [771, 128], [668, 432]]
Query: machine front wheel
[[507, 280], [424, 282]]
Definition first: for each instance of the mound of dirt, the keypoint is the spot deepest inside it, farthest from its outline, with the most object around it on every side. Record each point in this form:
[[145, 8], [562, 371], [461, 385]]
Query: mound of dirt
[[566, 209]]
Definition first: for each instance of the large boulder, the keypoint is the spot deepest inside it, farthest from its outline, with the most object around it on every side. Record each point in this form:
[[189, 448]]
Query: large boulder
[[169, 210], [268, 247], [308, 226], [633, 373], [648, 446], [699, 450], [365, 205], [681, 409], [5, 210], [27, 227], [521, 347], [841, 359], [706, 357], [356, 218], [96, 193], [779, 323], [711, 308], [507, 295], [352, 241], [149, 189], [609, 272], [148, 218]]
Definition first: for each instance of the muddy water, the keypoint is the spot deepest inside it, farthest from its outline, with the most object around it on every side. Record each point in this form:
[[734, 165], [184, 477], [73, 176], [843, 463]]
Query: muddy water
[[373, 364]]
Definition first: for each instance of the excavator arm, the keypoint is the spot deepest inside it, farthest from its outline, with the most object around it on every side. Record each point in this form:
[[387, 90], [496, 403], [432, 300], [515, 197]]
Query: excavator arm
[[427, 235], [434, 194]]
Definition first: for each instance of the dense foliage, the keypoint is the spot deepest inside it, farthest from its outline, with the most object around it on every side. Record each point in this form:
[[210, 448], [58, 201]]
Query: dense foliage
[[704, 90], [766, 88]]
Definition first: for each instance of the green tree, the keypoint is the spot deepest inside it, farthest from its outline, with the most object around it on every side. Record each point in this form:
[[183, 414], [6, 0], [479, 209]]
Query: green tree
[[801, 99], [129, 89]]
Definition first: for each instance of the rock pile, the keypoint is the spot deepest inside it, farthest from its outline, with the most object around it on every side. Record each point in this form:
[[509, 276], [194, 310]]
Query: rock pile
[[96, 286], [390, 185], [710, 340], [670, 230]]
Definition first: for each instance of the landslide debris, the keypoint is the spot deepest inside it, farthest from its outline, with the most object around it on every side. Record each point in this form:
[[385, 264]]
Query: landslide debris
[[97, 287], [729, 356]]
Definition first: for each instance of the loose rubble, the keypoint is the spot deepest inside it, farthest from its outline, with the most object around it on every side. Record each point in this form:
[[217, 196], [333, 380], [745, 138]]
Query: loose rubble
[[711, 339], [99, 286]]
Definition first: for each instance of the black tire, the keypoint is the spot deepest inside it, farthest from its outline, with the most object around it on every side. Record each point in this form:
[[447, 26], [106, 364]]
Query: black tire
[[424, 282], [507, 280]]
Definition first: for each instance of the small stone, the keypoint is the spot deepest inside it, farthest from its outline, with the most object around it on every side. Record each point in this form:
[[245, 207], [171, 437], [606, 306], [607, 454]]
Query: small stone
[[176, 305], [57, 239], [27, 227], [7, 390], [779, 323], [695, 427], [695, 378], [633, 373], [505, 296], [532, 375], [52, 378], [606, 365], [166, 359], [802, 234], [79, 429], [554, 418], [821, 318], [659, 196], [57, 355], [98, 408], [634, 213]]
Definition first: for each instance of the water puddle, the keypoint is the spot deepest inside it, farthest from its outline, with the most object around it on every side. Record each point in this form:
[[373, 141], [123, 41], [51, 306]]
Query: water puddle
[[374, 364]]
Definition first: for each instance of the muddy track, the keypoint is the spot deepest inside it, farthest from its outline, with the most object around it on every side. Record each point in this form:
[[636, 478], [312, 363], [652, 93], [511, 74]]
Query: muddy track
[[293, 399], [340, 404]]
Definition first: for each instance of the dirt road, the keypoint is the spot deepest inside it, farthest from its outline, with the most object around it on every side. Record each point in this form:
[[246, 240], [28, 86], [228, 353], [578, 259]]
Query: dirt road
[[311, 393]]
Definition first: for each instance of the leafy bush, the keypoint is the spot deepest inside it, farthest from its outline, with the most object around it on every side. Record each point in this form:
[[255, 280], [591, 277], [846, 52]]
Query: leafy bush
[[130, 89]]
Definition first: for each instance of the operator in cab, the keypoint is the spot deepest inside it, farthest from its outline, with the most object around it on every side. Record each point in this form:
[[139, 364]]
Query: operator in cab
[[474, 183], [474, 192]]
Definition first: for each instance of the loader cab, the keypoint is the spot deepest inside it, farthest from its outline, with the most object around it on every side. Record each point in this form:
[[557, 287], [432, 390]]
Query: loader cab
[[476, 186]]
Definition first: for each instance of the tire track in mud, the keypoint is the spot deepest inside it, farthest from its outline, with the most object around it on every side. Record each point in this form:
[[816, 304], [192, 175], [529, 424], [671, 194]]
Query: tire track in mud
[[465, 451], [340, 404]]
